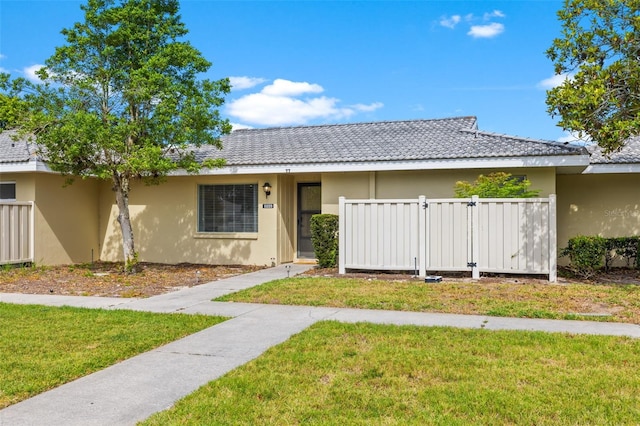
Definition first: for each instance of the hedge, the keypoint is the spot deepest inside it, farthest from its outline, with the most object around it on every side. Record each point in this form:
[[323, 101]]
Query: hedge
[[588, 254], [324, 236]]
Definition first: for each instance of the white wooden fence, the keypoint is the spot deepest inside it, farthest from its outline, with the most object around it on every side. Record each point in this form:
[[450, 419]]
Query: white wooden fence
[[501, 235], [16, 232]]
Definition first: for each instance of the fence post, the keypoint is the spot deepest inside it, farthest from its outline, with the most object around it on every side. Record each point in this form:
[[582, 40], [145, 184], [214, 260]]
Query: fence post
[[422, 235], [32, 231], [553, 240], [341, 235], [475, 237]]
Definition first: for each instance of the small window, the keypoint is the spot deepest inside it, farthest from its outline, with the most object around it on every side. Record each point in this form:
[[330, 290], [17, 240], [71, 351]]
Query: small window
[[228, 208], [7, 191]]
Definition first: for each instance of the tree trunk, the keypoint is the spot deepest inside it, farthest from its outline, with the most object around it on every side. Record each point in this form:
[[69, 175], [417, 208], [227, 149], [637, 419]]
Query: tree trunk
[[121, 188]]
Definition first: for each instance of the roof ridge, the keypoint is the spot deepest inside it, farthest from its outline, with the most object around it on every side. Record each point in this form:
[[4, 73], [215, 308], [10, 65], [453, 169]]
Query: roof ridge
[[360, 123]]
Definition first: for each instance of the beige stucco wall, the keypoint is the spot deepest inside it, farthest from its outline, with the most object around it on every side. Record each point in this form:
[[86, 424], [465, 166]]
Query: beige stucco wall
[[66, 217], [598, 204], [164, 218], [412, 184], [73, 220]]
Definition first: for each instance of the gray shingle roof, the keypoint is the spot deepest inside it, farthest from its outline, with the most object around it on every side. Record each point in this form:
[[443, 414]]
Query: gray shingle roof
[[412, 140], [12, 151], [628, 155], [451, 138]]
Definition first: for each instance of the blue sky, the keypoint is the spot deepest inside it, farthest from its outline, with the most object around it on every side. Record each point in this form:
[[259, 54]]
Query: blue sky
[[319, 62]]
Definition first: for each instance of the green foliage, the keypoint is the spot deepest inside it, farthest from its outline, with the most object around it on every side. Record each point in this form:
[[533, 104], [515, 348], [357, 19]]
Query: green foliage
[[586, 254], [324, 235], [496, 185], [598, 50], [122, 97], [622, 247], [12, 106]]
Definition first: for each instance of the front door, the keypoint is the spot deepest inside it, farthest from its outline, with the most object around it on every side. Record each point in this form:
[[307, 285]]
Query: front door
[[309, 203]]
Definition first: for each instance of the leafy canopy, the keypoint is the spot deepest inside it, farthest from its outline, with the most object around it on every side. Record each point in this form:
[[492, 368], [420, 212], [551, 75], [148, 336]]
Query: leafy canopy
[[121, 99], [496, 185], [600, 52]]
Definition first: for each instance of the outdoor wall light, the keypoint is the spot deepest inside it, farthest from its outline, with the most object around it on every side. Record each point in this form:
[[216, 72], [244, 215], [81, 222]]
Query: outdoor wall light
[[267, 189]]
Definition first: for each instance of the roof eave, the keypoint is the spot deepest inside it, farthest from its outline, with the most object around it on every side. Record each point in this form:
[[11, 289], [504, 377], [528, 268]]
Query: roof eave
[[558, 161], [612, 168], [25, 167]]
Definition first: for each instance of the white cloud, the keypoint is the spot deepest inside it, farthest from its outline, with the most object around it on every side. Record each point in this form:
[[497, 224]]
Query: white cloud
[[283, 103], [30, 73], [495, 14], [554, 81], [450, 22], [240, 83], [367, 108], [486, 31], [264, 109], [240, 126], [282, 87]]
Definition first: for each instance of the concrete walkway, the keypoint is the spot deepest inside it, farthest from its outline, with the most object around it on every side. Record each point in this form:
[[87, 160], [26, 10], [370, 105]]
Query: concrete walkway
[[138, 387]]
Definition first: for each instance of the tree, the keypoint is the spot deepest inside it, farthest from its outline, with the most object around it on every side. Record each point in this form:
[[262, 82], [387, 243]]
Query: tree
[[600, 52], [122, 101], [496, 185]]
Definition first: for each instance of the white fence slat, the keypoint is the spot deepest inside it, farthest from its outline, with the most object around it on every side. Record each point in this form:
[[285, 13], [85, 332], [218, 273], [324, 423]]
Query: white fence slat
[[16, 232]]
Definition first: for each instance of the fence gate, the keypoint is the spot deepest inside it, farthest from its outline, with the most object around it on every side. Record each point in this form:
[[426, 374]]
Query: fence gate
[[501, 235], [16, 232]]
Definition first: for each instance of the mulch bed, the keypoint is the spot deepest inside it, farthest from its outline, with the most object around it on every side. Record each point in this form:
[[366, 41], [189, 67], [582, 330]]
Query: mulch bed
[[108, 279]]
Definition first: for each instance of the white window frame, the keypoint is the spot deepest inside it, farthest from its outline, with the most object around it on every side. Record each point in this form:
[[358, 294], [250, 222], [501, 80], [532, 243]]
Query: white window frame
[[15, 193], [246, 222]]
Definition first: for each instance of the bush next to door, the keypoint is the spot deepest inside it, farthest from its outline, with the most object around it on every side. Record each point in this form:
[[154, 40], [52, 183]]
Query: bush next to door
[[324, 236]]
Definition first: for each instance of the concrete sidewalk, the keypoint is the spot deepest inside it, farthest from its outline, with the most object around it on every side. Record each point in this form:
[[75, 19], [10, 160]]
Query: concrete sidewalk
[[138, 387]]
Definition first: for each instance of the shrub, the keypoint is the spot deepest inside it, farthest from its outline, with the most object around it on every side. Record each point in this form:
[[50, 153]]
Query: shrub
[[324, 236], [496, 185], [586, 254], [624, 247]]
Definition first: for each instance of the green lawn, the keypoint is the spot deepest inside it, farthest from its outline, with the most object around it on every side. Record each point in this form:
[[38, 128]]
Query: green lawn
[[362, 374], [44, 347], [620, 303]]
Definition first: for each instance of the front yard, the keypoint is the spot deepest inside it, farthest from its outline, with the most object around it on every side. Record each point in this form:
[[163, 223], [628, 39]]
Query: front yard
[[363, 374], [511, 297], [336, 373]]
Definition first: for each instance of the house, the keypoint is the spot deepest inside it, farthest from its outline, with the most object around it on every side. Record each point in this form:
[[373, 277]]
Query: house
[[256, 209]]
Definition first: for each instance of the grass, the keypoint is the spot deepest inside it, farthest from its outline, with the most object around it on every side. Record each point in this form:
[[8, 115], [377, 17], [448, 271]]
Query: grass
[[361, 374], [619, 303], [44, 347]]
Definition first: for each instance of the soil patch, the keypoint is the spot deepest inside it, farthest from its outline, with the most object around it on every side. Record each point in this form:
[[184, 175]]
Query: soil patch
[[109, 280]]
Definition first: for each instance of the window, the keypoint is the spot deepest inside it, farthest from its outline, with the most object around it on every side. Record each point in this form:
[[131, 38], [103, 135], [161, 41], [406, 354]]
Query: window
[[228, 208], [7, 191]]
